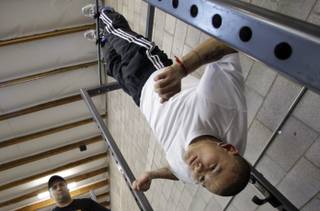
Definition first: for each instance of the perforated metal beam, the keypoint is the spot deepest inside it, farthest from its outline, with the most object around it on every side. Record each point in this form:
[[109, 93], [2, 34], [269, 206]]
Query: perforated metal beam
[[288, 45]]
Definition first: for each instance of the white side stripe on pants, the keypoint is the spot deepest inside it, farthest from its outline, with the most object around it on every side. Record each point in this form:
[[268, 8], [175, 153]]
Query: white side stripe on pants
[[154, 59]]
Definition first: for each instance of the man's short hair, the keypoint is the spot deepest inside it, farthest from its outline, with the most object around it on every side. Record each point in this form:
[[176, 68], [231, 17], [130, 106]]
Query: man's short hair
[[54, 179], [242, 171]]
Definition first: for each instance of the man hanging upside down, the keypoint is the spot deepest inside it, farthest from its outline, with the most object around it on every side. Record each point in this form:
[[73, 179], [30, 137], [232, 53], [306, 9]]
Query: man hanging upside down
[[201, 124]]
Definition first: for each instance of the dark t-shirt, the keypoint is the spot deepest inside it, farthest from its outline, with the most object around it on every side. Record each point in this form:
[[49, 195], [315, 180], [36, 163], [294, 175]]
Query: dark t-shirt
[[82, 205]]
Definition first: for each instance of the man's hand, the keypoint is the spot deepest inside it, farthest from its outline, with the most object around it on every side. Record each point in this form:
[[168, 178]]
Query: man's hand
[[168, 82], [142, 183]]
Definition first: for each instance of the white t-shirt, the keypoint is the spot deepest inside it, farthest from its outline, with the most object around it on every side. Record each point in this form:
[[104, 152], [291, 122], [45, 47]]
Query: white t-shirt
[[214, 105]]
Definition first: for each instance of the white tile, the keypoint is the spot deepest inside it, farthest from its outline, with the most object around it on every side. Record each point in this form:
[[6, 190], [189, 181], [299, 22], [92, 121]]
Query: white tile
[[313, 205], [179, 38], [170, 24], [270, 170], [246, 64], [213, 205], [294, 140], [295, 8], [243, 201], [258, 136], [260, 78], [308, 110], [313, 154], [315, 14], [254, 101], [193, 36], [167, 43], [301, 183], [277, 102]]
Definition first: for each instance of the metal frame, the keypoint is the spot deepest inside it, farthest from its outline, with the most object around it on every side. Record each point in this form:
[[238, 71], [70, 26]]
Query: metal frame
[[121, 163], [150, 18], [277, 40], [288, 45], [272, 195], [98, 44]]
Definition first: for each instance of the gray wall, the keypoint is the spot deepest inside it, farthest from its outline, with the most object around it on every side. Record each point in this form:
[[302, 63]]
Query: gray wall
[[291, 163]]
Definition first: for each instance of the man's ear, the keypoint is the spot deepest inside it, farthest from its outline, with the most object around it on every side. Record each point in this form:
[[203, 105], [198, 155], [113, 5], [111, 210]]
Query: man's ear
[[230, 148], [50, 194]]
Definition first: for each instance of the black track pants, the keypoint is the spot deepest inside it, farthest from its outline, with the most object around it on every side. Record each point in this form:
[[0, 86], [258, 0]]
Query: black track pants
[[129, 57]]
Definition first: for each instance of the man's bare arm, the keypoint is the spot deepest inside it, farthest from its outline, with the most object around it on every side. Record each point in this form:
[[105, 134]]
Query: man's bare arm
[[208, 51], [143, 183], [168, 82], [162, 173]]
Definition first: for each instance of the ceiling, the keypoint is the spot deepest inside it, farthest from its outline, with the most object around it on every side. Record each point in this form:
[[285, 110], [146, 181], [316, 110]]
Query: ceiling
[[44, 61]]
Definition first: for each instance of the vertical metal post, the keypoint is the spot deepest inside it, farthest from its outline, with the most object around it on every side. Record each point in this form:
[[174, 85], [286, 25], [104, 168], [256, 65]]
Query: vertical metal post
[[295, 102], [150, 18], [98, 43], [121, 163]]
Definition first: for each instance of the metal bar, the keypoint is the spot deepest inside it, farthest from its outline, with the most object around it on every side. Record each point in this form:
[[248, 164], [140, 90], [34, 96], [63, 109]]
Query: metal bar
[[284, 204], [98, 43], [54, 33], [121, 163], [150, 18], [276, 199], [282, 122], [103, 89], [286, 44]]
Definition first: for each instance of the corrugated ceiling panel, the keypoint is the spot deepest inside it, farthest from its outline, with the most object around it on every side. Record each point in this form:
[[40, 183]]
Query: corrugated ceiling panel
[[46, 118], [53, 87], [24, 17], [37, 56], [13, 192], [50, 162]]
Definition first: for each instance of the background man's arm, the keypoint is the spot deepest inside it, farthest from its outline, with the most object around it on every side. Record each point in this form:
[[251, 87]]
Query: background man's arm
[[143, 183]]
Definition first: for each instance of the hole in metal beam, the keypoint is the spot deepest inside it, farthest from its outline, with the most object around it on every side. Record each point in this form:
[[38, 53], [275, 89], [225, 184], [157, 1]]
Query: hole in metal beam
[[245, 34], [194, 10], [283, 51]]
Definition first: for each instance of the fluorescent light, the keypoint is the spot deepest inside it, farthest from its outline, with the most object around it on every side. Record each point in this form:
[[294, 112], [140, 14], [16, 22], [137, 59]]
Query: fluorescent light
[[44, 195], [72, 185]]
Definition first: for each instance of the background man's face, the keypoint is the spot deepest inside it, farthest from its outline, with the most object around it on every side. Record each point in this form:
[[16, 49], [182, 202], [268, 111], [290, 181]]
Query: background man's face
[[60, 192]]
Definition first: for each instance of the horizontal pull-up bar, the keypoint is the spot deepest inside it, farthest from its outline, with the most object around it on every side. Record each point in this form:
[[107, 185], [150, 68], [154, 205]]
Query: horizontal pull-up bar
[[288, 45], [121, 163]]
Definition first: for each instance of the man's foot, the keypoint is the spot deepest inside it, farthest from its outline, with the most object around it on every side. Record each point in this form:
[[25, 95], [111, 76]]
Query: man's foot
[[89, 10], [90, 35]]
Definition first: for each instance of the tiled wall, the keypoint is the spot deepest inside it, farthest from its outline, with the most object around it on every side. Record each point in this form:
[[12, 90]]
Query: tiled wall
[[291, 163]]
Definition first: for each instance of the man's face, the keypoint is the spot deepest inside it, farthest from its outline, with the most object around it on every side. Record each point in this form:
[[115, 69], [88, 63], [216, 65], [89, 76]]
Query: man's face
[[60, 192], [211, 164]]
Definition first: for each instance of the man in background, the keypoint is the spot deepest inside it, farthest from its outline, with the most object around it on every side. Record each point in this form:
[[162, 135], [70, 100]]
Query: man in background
[[59, 192]]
